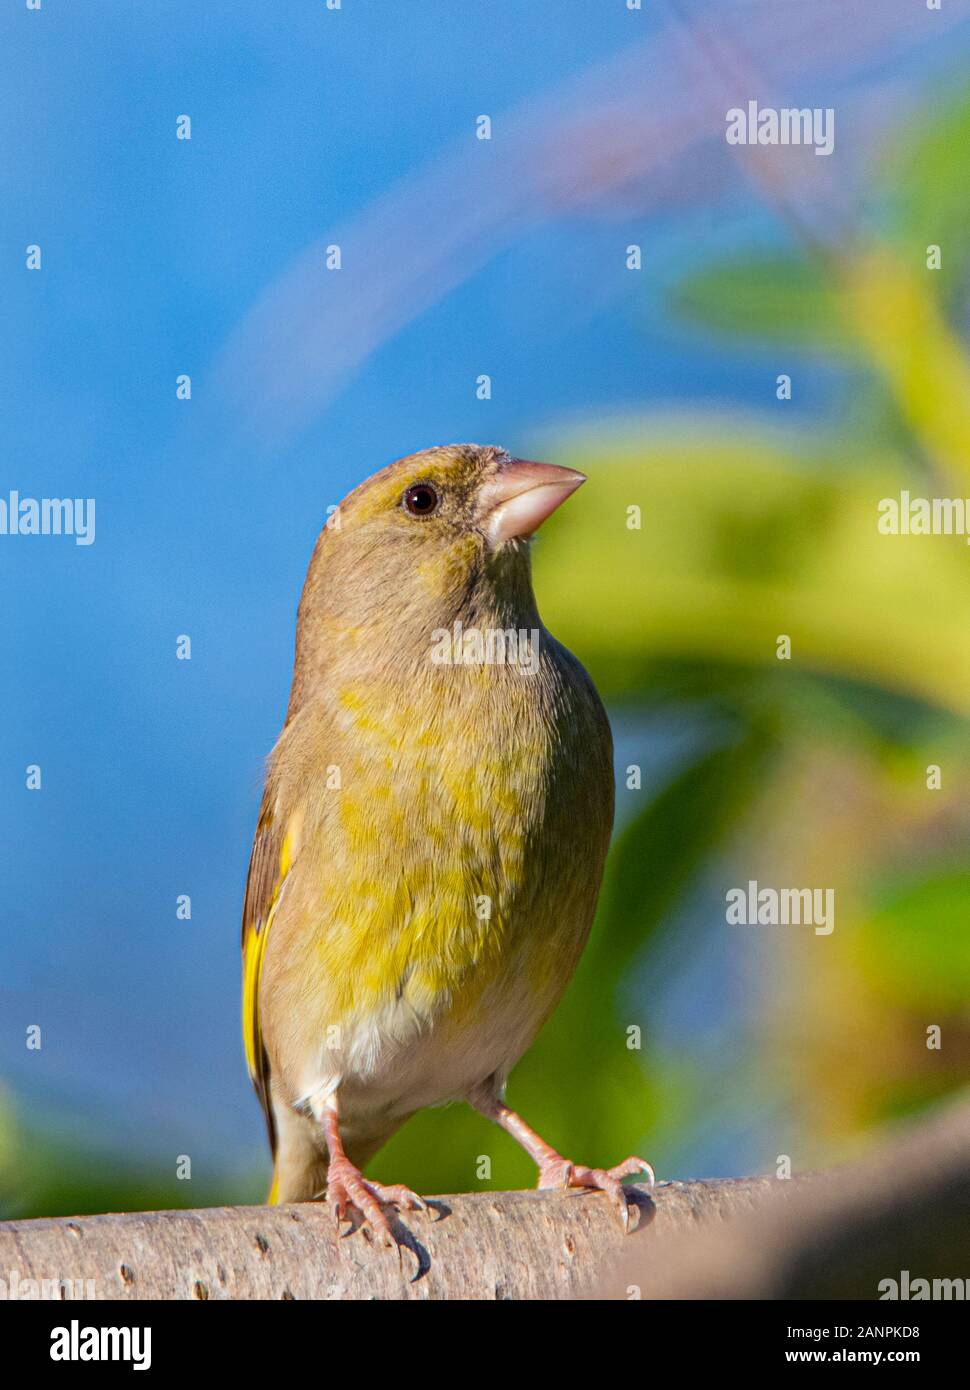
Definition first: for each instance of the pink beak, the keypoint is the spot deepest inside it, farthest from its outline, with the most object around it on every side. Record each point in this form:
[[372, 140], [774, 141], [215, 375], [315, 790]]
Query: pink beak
[[522, 494]]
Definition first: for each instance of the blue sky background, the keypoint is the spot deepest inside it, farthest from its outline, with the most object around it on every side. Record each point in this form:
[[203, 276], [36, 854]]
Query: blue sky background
[[154, 250]]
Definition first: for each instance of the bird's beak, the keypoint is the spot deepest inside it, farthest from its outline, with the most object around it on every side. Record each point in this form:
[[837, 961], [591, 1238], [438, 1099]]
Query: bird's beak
[[517, 500]]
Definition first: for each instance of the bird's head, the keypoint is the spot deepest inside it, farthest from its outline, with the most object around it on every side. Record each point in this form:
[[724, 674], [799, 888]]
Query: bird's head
[[438, 536]]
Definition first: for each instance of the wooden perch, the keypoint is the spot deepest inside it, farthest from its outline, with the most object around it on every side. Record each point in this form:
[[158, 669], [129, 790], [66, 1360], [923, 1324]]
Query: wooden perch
[[508, 1245], [835, 1235], [845, 1234]]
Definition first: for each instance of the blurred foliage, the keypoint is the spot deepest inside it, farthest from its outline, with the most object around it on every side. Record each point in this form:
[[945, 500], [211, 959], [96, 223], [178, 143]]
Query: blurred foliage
[[742, 540], [811, 771], [741, 532], [772, 299], [924, 178], [52, 1167]]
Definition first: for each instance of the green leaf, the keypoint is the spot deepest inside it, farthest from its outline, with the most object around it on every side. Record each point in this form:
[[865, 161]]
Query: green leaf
[[776, 299], [742, 541], [918, 944], [927, 175]]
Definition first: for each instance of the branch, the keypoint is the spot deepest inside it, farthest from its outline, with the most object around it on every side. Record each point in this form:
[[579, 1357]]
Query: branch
[[832, 1235], [490, 1245]]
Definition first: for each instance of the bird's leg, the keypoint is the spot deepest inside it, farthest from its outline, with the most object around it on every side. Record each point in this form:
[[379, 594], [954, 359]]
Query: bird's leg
[[556, 1171], [347, 1186]]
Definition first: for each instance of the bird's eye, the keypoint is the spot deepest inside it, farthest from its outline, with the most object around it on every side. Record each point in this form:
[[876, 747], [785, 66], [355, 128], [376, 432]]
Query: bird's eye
[[421, 499]]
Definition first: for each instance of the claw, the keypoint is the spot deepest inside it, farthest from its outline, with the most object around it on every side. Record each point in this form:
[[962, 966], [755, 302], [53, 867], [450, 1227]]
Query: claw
[[631, 1166], [555, 1171], [401, 1196], [347, 1186]]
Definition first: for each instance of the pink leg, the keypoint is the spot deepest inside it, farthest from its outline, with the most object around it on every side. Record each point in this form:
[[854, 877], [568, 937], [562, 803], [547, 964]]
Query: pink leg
[[347, 1186], [556, 1171]]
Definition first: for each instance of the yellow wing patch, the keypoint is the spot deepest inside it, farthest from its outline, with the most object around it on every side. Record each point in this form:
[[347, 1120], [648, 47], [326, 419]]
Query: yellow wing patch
[[273, 854]]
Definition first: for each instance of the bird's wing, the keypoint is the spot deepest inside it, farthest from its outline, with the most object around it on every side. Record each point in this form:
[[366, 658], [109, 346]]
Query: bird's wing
[[274, 849]]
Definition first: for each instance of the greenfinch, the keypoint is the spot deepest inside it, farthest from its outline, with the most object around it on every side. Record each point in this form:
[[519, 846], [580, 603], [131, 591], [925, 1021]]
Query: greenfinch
[[432, 833]]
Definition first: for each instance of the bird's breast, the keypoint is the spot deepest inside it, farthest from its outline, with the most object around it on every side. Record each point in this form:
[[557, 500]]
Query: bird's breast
[[447, 900]]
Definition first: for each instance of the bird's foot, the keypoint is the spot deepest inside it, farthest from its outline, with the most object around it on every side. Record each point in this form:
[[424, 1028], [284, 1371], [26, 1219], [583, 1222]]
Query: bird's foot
[[347, 1186], [556, 1171]]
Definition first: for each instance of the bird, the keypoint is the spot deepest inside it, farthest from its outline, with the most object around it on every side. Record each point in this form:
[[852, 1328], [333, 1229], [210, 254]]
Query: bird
[[432, 834]]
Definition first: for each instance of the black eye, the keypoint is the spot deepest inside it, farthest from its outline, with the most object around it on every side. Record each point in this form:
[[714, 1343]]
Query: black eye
[[421, 499]]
